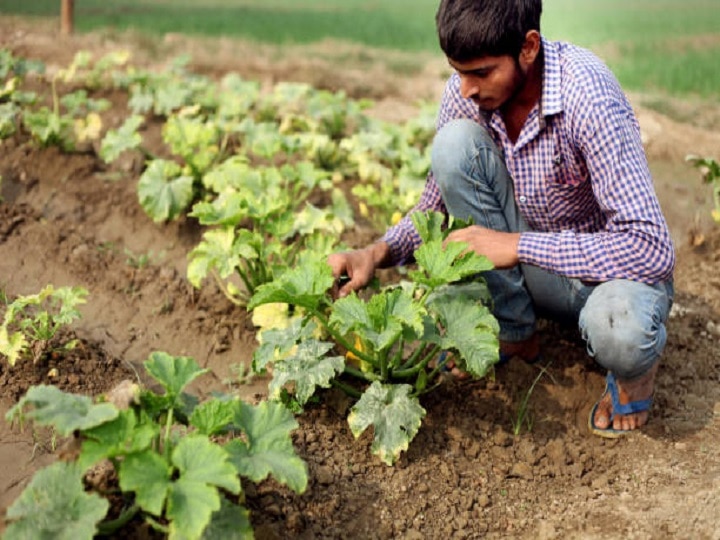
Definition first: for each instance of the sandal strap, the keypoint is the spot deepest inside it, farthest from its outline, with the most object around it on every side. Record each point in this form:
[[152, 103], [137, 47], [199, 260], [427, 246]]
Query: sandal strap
[[627, 408]]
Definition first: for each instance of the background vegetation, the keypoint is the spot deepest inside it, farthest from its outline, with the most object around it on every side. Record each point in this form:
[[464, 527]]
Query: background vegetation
[[668, 46]]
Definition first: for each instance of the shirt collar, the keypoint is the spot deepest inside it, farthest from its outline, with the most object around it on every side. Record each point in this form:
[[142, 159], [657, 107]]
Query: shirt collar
[[551, 100]]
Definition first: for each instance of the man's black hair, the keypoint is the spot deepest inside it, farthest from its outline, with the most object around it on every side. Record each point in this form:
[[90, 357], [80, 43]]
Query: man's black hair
[[470, 29]]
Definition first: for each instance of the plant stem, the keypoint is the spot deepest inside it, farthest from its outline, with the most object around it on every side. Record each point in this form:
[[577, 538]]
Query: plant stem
[[369, 377], [108, 527], [349, 390], [405, 373], [166, 441], [340, 339]]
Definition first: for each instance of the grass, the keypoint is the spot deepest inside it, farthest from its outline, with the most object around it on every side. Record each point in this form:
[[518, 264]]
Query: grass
[[670, 46]]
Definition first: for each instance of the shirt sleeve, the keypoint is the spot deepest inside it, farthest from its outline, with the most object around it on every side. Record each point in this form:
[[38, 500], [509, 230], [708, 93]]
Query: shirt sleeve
[[402, 238], [635, 243]]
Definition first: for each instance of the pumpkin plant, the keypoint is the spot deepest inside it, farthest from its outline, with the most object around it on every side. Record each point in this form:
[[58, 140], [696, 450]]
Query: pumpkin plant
[[385, 351]]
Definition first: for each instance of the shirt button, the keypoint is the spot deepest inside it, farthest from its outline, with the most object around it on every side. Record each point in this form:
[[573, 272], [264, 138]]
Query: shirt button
[[522, 198]]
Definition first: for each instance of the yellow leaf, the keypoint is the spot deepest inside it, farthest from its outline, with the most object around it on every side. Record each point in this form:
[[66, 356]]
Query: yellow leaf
[[88, 128]]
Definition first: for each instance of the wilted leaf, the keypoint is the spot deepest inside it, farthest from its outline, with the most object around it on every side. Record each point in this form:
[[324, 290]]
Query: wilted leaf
[[51, 406], [308, 368], [394, 415], [163, 192], [55, 505]]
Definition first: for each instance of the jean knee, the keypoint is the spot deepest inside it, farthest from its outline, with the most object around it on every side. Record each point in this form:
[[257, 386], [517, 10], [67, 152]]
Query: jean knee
[[623, 324], [455, 149]]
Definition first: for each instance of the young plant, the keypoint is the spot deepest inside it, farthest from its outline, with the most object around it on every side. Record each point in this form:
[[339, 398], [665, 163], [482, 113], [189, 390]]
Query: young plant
[[710, 170], [261, 220], [522, 415], [178, 461], [390, 344], [31, 322]]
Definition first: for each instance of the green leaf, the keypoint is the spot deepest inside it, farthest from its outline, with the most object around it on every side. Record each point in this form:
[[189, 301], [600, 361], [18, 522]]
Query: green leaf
[[191, 505], [174, 373], [216, 251], [231, 522], [148, 475], [382, 320], [307, 367], [394, 415], [55, 506], [122, 139], [266, 447], [446, 264], [163, 192], [200, 460], [213, 416], [306, 285], [471, 330], [65, 412], [121, 436]]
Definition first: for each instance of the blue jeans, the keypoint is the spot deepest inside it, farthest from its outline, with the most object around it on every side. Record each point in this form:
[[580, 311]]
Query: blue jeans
[[622, 321]]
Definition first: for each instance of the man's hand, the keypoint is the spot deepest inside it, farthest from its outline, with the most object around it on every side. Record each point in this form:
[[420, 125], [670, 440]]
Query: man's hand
[[500, 247], [358, 265]]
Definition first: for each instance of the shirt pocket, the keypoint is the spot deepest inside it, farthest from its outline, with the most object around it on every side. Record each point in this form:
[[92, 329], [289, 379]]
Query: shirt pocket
[[570, 197]]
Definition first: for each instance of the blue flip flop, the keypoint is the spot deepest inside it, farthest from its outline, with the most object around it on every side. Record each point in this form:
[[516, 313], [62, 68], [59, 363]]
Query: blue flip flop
[[617, 408]]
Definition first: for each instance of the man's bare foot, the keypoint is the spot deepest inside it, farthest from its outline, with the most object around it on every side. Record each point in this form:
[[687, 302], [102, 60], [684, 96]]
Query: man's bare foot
[[635, 390]]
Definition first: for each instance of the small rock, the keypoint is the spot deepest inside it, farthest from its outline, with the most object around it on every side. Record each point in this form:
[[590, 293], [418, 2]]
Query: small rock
[[522, 470], [324, 476]]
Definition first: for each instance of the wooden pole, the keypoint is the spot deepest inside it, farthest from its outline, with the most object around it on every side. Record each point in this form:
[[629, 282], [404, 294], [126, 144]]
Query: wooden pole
[[66, 17]]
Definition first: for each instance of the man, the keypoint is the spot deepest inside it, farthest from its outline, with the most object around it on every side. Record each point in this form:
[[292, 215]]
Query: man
[[538, 145]]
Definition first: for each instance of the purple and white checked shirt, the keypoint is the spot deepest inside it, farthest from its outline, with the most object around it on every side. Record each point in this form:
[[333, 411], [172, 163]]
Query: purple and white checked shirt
[[580, 173]]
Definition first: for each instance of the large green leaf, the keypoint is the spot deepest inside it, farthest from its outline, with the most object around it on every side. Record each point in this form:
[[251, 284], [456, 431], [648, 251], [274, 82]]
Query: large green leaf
[[174, 373], [149, 476], [121, 436], [231, 522], [307, 368], [306, 285], [55, 506], [163, 191], [200, 460], [266, 447], [471, 330], [65, 412], [394, 415]]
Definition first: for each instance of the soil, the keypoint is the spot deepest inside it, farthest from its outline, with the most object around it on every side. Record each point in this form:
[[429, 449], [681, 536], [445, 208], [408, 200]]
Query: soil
[[68, 220]]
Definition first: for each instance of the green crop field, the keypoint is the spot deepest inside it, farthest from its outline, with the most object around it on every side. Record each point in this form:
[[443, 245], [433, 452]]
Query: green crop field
[[669, 46]]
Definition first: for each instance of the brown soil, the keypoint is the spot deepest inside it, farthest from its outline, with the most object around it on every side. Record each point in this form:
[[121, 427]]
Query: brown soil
[[65, 221]]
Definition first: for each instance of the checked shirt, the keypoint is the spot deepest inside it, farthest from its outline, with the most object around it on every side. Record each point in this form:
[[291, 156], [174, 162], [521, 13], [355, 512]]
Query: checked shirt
[[580, 174]]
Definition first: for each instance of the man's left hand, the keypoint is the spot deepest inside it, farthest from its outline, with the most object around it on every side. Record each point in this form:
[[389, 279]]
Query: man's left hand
[[500, 247]]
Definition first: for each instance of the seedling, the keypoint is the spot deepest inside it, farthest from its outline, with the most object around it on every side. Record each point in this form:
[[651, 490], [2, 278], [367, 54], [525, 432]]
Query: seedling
[[522, 415], [31, 322], [710, 171]]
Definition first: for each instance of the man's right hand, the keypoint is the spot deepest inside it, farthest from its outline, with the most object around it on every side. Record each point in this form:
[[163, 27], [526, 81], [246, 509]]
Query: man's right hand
[[359, 266]]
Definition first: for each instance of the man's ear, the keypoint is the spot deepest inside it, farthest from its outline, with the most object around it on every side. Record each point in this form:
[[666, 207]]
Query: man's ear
[[531, 48]]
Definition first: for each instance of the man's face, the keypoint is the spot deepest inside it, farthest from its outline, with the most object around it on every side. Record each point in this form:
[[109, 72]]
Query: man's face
[[490, 81]]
